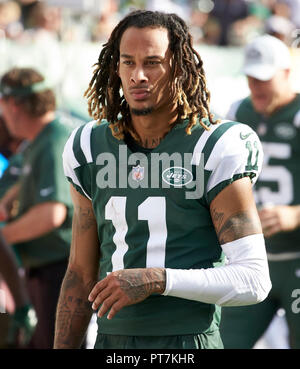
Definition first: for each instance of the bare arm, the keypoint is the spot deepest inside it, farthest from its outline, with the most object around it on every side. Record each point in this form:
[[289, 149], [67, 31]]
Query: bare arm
[[45, 217], [7, 201], [9, 270], [234, 212], [279, 218], [73, 309]]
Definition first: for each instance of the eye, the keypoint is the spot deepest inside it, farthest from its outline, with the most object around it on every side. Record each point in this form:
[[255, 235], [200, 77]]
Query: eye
[[152, 62], [128, 62]]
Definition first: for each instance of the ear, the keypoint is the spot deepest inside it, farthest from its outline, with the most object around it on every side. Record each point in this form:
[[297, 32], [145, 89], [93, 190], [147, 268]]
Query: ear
[[287, 73]]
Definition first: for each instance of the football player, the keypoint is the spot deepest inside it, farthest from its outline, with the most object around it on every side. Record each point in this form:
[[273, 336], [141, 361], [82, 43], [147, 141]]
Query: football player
[[273, 111], [140, 209]]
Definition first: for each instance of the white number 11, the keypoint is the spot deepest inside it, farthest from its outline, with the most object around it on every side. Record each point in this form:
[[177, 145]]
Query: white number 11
[[153, 210]]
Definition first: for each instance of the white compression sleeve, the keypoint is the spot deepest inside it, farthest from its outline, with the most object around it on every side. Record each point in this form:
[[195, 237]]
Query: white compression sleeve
[[243, 281]]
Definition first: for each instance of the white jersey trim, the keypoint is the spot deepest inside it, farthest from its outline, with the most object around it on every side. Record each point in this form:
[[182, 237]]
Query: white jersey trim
[[70, 162], [229, 156], [202, 141], [296, 120], [85, 141], [283, 256]]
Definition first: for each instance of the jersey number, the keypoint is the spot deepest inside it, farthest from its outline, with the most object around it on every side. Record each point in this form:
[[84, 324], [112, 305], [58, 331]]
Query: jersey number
[[249, 147], [153, 210], [275, 174]]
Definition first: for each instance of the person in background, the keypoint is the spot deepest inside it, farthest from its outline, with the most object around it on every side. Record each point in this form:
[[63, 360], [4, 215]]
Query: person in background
[[23, 321], [273, 111], [40, 229]]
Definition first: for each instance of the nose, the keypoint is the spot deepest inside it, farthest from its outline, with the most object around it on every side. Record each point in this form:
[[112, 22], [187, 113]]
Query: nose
[[138, 75]]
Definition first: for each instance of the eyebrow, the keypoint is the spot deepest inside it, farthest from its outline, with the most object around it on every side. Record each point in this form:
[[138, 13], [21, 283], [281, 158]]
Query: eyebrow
[[126, 56]]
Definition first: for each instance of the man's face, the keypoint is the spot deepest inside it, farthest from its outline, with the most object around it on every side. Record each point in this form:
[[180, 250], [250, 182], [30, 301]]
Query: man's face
[[145, 69], [266, 95], [9, 112]]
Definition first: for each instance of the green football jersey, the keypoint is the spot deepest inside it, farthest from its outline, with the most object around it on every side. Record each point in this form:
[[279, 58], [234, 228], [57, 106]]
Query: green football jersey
[[42, 180], [279, 182], [152, 210]]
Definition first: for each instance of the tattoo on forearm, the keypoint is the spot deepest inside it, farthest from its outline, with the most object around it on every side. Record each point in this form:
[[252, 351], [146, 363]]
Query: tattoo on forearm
[[73, 311], [236, 226], [141, 283], [84, 218]]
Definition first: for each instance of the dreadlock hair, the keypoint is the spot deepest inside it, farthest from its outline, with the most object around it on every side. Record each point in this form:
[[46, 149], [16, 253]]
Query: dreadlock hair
[[103, 94]]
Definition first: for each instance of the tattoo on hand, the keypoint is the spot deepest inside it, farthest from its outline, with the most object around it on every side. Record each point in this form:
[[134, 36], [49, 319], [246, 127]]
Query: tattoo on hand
[[140, 283]]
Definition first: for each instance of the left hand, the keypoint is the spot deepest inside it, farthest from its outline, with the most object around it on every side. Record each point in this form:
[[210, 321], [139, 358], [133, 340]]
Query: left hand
[[126, 287], [280, 218]]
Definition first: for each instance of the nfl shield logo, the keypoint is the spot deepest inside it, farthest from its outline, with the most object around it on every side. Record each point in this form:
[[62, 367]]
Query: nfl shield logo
[[138, 173]]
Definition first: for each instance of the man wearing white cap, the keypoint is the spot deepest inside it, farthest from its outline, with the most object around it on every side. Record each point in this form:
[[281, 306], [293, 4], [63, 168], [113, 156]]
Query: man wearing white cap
[[273, 111]]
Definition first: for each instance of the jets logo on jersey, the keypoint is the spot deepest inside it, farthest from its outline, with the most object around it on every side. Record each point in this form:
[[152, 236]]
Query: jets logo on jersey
[[177, 176], [285, 131]]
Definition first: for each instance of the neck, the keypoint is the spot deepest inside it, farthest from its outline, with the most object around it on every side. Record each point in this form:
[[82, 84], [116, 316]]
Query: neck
[[284, 100], [287, 98], [36, 125], [152, 128]]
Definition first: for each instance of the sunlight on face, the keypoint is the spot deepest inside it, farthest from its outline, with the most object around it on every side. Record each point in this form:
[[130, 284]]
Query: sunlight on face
[[145, 69], [266, 96]]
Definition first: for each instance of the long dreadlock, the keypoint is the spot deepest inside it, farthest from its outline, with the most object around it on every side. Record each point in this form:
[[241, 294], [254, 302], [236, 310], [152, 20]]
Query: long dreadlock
[[103, 94]]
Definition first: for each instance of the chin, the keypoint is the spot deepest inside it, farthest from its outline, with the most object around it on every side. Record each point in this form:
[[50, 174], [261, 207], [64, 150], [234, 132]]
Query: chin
[[260, 107], [142, 111]]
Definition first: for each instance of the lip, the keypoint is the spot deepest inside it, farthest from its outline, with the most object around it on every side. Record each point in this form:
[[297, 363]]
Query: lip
[[140, 94]]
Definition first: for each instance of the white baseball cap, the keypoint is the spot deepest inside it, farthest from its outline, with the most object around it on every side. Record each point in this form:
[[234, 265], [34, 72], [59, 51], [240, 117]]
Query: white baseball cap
[[264, 56], [279, 24]]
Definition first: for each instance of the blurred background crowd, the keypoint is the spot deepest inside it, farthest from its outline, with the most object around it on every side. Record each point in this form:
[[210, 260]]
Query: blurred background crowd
[[61, 38], [218, 22]]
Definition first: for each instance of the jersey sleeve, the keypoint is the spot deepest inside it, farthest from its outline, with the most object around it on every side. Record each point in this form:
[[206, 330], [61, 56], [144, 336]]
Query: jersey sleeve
[[76, 157], [48, 177], [231, 151]]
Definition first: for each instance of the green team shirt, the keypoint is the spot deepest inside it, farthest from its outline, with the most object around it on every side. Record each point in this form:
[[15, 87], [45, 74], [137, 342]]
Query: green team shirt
[[152, 210], [279, 182], [42, 180]]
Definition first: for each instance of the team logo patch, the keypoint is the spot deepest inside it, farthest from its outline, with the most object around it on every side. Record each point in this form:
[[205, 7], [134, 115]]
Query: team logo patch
[[177, 176], [285, 131], [138, 173], [262, 129]]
